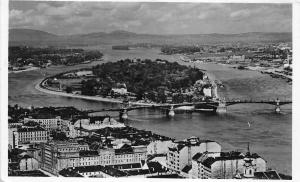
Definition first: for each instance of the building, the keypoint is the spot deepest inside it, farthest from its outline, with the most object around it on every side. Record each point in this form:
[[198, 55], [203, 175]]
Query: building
[[83, 127], [21, 161], [272, 175], [122, 156], [18, 136], [198, 170], [12, 124], [92, 171], [207, 92], [236, 59], [13, 141], [227, 165], [28, 163], [130, 154], [120, 89], [180, 155], [159, 147], [151, 169], [84, 73], [47, 123], [58, 155]]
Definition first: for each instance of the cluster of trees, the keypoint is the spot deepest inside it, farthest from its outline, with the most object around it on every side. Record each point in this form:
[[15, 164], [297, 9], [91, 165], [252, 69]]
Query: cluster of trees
[[16, 112], [21, 56], [154, 79], [96, 87], [180, 49]]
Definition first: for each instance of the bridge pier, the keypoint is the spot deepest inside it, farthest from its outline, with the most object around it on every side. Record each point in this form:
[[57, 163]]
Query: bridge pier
[[277, 109], [277, 106], [123, 115], [171, 112], [221, 108]]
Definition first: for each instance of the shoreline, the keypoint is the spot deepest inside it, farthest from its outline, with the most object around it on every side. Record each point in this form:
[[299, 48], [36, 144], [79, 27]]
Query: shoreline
[[93, 98], [40, 86], [20, 71]]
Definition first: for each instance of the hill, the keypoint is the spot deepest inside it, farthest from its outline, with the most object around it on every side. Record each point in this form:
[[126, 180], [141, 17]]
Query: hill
[[29, 35], [119, 37]]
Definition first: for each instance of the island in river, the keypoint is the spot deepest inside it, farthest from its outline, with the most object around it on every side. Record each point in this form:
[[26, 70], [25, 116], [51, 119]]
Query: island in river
[[148, 81]]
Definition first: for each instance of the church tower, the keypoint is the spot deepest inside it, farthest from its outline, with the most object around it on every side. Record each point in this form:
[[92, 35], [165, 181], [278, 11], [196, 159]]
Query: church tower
[[249, 167]]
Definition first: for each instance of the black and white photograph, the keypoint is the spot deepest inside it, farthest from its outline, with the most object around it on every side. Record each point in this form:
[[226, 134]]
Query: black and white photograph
[[187, 90]]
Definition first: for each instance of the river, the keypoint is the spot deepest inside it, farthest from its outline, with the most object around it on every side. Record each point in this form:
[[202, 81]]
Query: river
[[270, 135]]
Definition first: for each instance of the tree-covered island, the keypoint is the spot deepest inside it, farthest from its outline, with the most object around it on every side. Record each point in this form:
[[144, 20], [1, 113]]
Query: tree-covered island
[[157, 81]]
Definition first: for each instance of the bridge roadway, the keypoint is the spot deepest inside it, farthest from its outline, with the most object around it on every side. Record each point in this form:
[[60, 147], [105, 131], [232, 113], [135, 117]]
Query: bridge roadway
[[208, 103], [228, 103]]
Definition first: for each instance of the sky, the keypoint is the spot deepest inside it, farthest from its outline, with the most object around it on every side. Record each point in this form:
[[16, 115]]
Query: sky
[[77, 17]]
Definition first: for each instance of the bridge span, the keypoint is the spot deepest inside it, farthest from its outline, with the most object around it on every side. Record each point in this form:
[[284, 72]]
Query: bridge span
[[218, 106], [277, 103]]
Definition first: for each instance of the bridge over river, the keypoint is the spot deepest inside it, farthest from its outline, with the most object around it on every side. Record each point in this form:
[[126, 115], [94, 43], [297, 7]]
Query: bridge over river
[[218, 106]]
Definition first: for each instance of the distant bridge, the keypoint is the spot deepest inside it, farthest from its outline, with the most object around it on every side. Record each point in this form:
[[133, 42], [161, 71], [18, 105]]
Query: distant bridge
[[219, 106], [228, 103], [277, 103]]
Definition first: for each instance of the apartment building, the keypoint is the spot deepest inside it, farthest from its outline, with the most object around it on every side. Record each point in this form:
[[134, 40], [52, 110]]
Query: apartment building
[[24, 135], [59, 155], [47, 123], [181, 153], [226, 166]]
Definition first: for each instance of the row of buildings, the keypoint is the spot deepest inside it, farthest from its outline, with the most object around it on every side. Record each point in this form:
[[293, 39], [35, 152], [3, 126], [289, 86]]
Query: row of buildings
[[195, 158], [103, 147]]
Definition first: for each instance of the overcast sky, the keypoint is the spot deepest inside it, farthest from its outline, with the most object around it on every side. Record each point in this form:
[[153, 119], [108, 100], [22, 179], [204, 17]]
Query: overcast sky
[[154, 18]]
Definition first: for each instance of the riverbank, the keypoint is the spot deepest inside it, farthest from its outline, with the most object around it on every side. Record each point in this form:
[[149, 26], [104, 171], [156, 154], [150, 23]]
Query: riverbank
[[273, 72], [27, 69], [65, 79], [40, 87]]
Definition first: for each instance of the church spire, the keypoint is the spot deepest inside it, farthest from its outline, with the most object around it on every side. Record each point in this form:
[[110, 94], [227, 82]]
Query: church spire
[[248, 148]]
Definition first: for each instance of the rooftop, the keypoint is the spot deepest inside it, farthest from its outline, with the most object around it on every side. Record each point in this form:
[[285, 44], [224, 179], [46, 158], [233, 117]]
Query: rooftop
[[166, 176], [105, 169], [35, 173], [69, 173], [197, 156], [38, 128], [223, 156], [187, 168], [127, 166], [273, 175], [87, 153], [192, 141]]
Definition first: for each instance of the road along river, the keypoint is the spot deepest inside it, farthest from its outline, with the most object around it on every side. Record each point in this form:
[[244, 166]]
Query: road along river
[[270, 134]]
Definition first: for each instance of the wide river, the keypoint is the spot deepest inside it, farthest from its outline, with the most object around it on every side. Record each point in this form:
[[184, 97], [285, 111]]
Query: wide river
[[270, 134]]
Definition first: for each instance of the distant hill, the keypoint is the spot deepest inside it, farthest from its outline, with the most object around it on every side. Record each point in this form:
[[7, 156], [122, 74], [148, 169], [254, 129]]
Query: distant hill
[[29, 35], [36, 37]]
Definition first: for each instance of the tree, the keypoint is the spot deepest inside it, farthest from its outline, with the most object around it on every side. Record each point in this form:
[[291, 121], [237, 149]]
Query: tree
[[69, 89], [88, 87]]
